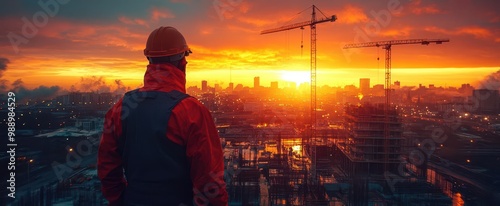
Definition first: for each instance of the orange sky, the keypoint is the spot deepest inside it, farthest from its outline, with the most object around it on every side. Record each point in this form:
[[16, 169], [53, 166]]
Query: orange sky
[[106, 39]]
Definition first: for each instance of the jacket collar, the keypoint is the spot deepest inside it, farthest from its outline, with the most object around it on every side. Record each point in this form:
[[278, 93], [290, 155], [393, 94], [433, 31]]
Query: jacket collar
[[164, 77]]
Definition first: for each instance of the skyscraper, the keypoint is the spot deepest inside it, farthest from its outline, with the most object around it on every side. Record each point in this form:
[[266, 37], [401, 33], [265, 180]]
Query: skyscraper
[[364, 85], [204, 86], [256, 82]]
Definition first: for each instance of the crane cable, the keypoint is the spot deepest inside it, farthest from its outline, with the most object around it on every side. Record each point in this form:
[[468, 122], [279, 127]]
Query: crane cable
[[378, 64], [302, 42], [302, 39]]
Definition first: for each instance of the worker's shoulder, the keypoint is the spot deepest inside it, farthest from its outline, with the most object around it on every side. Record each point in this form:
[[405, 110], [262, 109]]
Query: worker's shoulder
[[192, 102]]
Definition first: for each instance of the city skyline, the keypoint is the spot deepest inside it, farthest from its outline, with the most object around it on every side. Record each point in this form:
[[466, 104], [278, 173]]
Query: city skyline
[[71, 43]]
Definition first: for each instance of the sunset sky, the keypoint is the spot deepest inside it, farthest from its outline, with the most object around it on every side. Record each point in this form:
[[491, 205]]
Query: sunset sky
[[106, 39]]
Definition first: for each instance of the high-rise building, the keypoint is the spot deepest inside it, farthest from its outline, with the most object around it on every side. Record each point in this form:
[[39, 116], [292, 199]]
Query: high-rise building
[[365, 149], [369, 157], [274, 85], [364, 85], [204, 86], [256, 82]]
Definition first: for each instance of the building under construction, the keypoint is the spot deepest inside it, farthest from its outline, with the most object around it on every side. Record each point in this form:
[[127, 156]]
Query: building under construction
[[366, 153]]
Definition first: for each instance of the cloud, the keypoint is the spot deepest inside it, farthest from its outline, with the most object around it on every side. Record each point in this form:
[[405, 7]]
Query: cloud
[[99, 84], [402, 32], [491, 82], [120, 87], [129, 21], [17, 83], [157, 14], [3, 85], [93, 84], [256, 21], [352, 14], [40, 92], [476, 31], [417, 8], [3, 65]]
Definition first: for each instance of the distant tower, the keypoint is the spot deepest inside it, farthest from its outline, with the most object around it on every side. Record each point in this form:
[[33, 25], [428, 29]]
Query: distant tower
[[274, 85], [256, 82], [397, 84], [364, 85], [204, 86]]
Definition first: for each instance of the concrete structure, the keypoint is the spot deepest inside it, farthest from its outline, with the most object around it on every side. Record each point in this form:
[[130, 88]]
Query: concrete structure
[[364, 151]]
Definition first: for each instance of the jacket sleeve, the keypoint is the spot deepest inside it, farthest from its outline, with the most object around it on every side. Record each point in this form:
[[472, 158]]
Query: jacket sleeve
[[109, 161], [204, 151]]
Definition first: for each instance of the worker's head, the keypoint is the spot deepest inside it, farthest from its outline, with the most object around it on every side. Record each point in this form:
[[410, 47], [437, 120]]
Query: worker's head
[[167, 45]]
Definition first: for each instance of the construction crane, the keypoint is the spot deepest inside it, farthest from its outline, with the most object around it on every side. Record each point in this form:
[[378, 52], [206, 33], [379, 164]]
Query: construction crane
[[301, 25], [387, 46]]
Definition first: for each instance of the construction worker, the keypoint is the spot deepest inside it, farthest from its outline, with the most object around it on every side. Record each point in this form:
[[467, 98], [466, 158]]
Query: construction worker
[[159, 145]]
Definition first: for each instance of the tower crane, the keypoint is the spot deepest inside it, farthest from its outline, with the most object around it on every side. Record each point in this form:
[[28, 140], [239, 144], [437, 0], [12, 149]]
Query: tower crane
[[387, 46], [301, 25]]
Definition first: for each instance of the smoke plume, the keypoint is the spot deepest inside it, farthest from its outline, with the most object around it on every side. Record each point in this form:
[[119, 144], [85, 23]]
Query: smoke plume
[[99, 85], [40, 92], [491, 82]]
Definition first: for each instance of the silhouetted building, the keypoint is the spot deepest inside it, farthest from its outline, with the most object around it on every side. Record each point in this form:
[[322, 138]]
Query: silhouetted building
[[366, 153], [397, 84], [466, 89], [204, 86], [274, 85], [364, 85], [256, 82], [378, 90], [488, 101]]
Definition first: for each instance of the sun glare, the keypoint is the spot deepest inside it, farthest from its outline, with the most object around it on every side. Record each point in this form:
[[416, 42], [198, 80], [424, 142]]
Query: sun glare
[[295, 76]]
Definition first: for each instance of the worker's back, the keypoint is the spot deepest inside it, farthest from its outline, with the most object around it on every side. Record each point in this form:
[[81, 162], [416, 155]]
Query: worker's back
[[156, 169]]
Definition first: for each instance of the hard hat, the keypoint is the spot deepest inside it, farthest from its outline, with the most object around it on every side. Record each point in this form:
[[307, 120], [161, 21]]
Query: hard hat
[[166, 41]]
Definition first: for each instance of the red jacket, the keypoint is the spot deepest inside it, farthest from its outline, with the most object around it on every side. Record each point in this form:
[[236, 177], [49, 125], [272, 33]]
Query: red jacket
[[190, 125]]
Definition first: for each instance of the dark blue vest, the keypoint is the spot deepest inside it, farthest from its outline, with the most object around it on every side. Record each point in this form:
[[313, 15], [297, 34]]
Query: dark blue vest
[[156, 169]]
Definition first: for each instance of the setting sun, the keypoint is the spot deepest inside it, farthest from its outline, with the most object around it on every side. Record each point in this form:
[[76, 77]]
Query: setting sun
[[296, 76]]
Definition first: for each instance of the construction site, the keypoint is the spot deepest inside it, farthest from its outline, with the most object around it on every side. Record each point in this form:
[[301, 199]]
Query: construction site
[[367, 157]]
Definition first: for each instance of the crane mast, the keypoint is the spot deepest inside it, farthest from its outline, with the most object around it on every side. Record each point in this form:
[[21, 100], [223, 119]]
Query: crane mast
[[312, 24], [387, 45]]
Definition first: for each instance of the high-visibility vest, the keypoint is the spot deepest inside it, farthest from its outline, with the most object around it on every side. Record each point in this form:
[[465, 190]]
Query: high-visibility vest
[[156, 169]]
